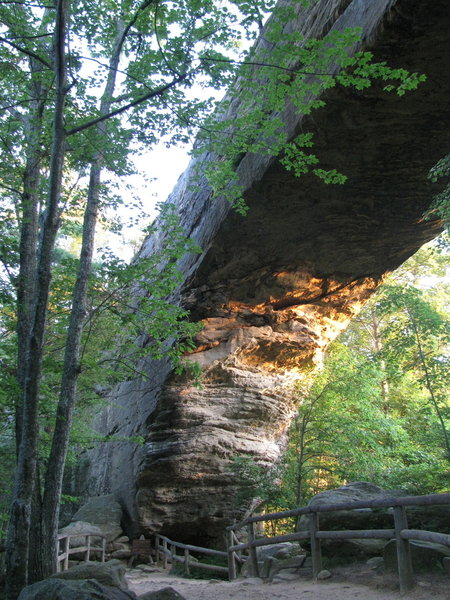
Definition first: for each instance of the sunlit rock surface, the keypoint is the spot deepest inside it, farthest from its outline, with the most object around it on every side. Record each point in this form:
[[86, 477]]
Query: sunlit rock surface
[[274, 288]]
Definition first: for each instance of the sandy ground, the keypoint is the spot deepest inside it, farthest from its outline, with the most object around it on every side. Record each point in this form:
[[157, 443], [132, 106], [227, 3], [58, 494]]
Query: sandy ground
[[342, 586]]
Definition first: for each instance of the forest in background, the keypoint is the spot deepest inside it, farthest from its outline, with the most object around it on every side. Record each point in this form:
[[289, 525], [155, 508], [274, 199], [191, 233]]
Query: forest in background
[[379, 410]]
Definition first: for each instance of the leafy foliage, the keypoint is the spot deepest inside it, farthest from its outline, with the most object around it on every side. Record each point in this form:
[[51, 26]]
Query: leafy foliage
[[379, 411], [441, 202]]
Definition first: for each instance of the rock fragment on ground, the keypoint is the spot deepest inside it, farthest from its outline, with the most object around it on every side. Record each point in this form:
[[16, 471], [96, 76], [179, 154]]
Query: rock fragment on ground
[[111, 573], [324, 574], [376, 562], [66, 589], [167, 593]]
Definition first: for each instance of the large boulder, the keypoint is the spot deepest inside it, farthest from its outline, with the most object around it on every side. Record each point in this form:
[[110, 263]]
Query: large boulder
[[343, 552], [359, 518], [65, 589], [279, 551], [82, 528], [425, 556], [111, 573], [430, 518], [105, 513]]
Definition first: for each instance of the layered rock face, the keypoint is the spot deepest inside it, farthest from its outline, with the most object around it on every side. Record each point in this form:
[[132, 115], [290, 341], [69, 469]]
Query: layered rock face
[[274, 288]]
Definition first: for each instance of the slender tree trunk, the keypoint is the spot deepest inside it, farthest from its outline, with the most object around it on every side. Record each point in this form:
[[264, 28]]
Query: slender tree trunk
[[301, 463], [19, 527], [378, 346], [28, 247], [28, 259], [71, 369], [29, 209], [35, 572]]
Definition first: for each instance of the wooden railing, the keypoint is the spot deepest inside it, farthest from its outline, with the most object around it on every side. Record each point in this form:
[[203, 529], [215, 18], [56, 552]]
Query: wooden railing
[[166, 550], [64, 549], [400, 533]]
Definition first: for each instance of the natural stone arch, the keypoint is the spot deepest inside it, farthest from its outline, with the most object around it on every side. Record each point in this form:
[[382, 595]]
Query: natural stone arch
[[274, 288]]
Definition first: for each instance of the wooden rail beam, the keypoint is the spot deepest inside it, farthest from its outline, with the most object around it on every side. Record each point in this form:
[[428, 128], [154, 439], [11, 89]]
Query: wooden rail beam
[[169, 549], [356, 534], [401, 533], [427, 500], [426, 536]]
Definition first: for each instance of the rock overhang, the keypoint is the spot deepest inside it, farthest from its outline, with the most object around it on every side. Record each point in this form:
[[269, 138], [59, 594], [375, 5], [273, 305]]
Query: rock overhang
[[307, 255], [274, 288]]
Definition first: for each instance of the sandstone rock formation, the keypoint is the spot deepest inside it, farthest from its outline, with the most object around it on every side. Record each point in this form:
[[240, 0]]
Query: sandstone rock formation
[[274, 288]]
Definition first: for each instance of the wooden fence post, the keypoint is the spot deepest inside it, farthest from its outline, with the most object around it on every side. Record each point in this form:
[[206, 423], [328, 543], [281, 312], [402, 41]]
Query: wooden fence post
[[405, 570], [164, 553], [239, 552], [157, 549], [252, 549], [231, 559], [316, 552], [58, 552], [66, 550], [173, 554], [87, 554], [186, 562]]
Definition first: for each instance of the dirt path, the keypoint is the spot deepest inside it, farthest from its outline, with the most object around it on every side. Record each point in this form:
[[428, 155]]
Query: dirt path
[[302, 589]]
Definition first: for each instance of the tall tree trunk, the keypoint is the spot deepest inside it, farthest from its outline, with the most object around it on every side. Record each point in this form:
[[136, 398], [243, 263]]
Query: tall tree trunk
[[378, 346], [29, 210], [19, 527], [71, 369]]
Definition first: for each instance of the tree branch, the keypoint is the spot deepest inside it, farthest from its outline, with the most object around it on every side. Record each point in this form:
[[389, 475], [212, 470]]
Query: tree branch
[[252, 63], [25, 51], [122, 109]]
